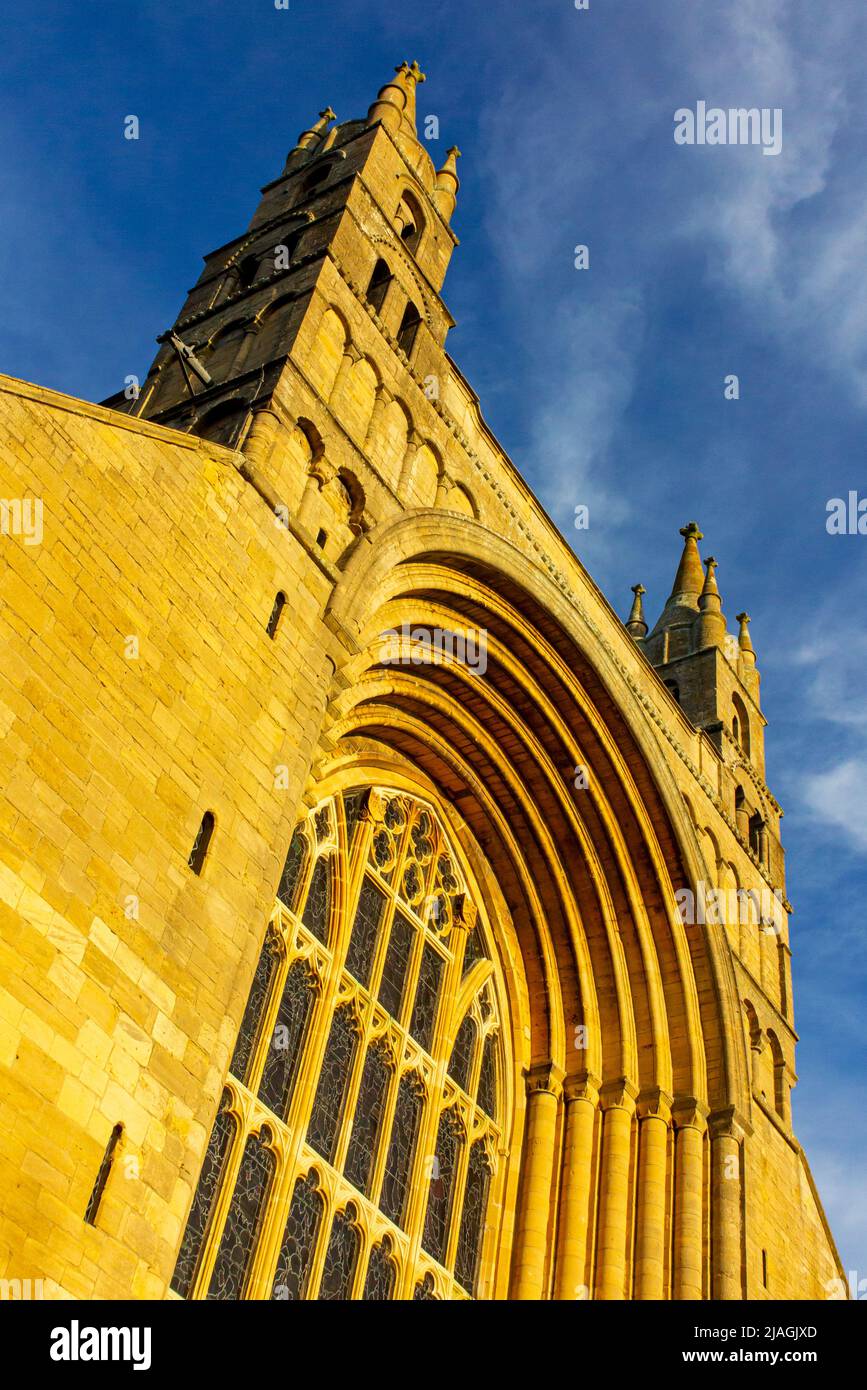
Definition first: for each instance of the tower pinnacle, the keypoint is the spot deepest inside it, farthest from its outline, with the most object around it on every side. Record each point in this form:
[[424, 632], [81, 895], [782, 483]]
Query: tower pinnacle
[[395, 103], [710, 625], [447, 184], [635, 624]]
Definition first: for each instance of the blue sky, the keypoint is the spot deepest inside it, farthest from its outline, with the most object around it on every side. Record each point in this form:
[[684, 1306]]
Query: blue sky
[[605, 386]]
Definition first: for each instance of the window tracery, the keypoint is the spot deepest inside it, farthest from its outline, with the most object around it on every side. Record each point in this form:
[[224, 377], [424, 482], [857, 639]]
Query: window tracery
[[359, 1138]]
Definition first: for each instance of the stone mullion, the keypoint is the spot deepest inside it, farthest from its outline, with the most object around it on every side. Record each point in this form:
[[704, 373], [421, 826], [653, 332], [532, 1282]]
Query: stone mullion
[[531, 1242], [581, 1098]]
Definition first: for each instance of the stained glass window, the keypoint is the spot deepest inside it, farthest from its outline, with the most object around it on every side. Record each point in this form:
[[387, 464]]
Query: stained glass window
[[207, 1189], [318, 905], [269, 960], [461, 1060], [242, 1223], [287, 1039], [323, 1130], [337, 1022], [427, 996], [488, 1078], [341, 1257], [381, 1274], [441, 1184], [368, 1116], [401, 1149], [299, 1241], [397, 959], [292, 869], [365, 929], [472, 1219]]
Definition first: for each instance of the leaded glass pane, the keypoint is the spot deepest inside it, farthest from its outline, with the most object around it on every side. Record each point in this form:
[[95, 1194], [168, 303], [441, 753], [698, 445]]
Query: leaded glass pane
[[397, 959], [422, 838], [461, 1060], [413, 883], [383, 852], [318, 905], [322, 1132], [487, 1097], [368, 1116], [287, 1040], [299, 1241], [427, 997], [269, 960], [472, 1219], [442, 1180], [206, 1192], [340, 1258], [292, 869], [323, 823], [446, 876], [365, 930], [381, 1275], [242, 1223], [425, 1290], [401, 1149], [395, 814]]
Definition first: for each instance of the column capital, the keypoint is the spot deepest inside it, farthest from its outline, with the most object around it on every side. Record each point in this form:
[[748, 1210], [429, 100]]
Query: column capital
[[654, 1103], [689, 1113], [322, 471], [619, 1094], [351, 351], [583, 1086], [545, 1077], [726, 1124]]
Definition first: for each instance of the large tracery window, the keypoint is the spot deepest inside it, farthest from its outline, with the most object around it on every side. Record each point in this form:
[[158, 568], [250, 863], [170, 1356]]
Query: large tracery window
[[358, 1147]]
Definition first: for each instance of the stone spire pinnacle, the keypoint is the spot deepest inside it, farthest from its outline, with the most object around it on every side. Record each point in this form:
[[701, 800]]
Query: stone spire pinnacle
[[395, 104], [309, 139], [689, 580], [710, 625], [635, 624], [748, 655], [447, 185], [682, 603]]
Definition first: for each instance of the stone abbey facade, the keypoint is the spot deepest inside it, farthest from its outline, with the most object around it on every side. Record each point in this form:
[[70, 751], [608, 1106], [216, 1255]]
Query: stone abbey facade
[[382, 916]]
